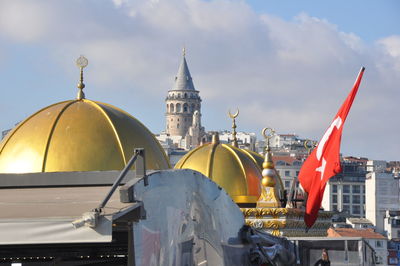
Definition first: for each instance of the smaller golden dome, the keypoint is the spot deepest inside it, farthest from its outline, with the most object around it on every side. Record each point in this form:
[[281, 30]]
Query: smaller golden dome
[[228, 166]]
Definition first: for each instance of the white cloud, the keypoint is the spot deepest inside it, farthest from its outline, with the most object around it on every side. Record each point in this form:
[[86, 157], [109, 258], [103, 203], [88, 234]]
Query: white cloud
[[291, 75], [22, 21]]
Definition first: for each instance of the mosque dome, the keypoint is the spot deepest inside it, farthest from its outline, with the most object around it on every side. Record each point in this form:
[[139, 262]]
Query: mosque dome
[[229, 167], [78, 135]]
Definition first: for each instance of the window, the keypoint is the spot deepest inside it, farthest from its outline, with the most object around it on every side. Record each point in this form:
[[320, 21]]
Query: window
[[334, 198], [346, 208], [363, 189], [297, 173], [398, 235], [334, 207], [355, 189], [287, 173], [346, 199], [379, 243], [178, 107], [356, 199], [356, 209], [346, 188], [334, 188], [177, 126], [287, 184]]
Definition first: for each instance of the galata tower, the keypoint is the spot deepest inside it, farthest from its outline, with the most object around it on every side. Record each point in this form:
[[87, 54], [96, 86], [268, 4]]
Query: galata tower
[[183, 104]]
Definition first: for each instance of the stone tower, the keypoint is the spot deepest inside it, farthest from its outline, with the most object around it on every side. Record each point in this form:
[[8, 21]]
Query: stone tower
[[183, 103]]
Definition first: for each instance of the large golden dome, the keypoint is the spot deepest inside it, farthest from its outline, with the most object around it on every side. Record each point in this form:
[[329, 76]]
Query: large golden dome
[[78, 135], [229, 167]]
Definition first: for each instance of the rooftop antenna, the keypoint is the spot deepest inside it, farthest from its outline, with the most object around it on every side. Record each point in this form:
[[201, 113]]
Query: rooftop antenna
[[81, 62]]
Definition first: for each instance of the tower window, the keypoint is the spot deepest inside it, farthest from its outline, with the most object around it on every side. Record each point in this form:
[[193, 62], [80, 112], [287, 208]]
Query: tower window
[[171, 108], [185, 107], [178, 107], [185, 95], [177, 125]]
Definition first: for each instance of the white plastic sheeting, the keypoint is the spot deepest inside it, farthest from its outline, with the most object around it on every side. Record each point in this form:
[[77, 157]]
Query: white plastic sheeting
[[52, 230]]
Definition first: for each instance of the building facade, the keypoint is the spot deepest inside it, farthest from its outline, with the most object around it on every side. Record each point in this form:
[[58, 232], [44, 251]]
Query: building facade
[[383, 198], [345, 192]]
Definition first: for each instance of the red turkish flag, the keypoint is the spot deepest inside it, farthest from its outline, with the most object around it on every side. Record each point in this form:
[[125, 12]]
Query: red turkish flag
[[324, 161]]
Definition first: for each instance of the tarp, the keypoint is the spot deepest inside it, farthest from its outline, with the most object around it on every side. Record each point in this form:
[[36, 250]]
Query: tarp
[[52, 230]]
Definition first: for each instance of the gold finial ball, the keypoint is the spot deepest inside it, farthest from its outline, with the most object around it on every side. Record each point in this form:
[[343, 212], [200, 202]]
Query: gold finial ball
[[268, 181], [82, 62], [268, 165], [81, 85]]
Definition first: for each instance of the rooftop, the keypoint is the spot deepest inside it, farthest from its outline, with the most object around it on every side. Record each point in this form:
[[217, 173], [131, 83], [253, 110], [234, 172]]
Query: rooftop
[[351, 232]]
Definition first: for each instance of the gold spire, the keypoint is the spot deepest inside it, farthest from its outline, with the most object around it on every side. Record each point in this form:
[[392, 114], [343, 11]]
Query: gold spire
[[233, 116], [81, 62], [184, 51], [269, 194]]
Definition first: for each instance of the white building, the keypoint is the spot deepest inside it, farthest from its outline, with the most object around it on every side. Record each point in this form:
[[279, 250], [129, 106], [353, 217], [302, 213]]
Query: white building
[[288, 168], [376, 166], [382, 194], [392, 224], [245, 140]]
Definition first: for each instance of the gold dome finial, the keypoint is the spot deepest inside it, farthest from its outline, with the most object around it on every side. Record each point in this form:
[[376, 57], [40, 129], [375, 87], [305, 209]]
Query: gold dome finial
[[310, 145], [81, 62], [233, 116], [269, 194]]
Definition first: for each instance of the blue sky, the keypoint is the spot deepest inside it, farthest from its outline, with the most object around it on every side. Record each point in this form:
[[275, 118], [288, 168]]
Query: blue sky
[[369, 19], [284, 64]]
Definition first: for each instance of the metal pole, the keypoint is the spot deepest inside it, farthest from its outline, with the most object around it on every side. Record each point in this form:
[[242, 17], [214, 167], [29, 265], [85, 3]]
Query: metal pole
[[118, 181]]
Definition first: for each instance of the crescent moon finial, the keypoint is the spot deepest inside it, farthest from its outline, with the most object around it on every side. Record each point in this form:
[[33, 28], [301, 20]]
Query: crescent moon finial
[[233, 115], [310, 145], [268, 132]]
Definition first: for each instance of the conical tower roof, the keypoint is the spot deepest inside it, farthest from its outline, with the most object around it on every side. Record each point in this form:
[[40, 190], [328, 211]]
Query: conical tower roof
[[183, 79]]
